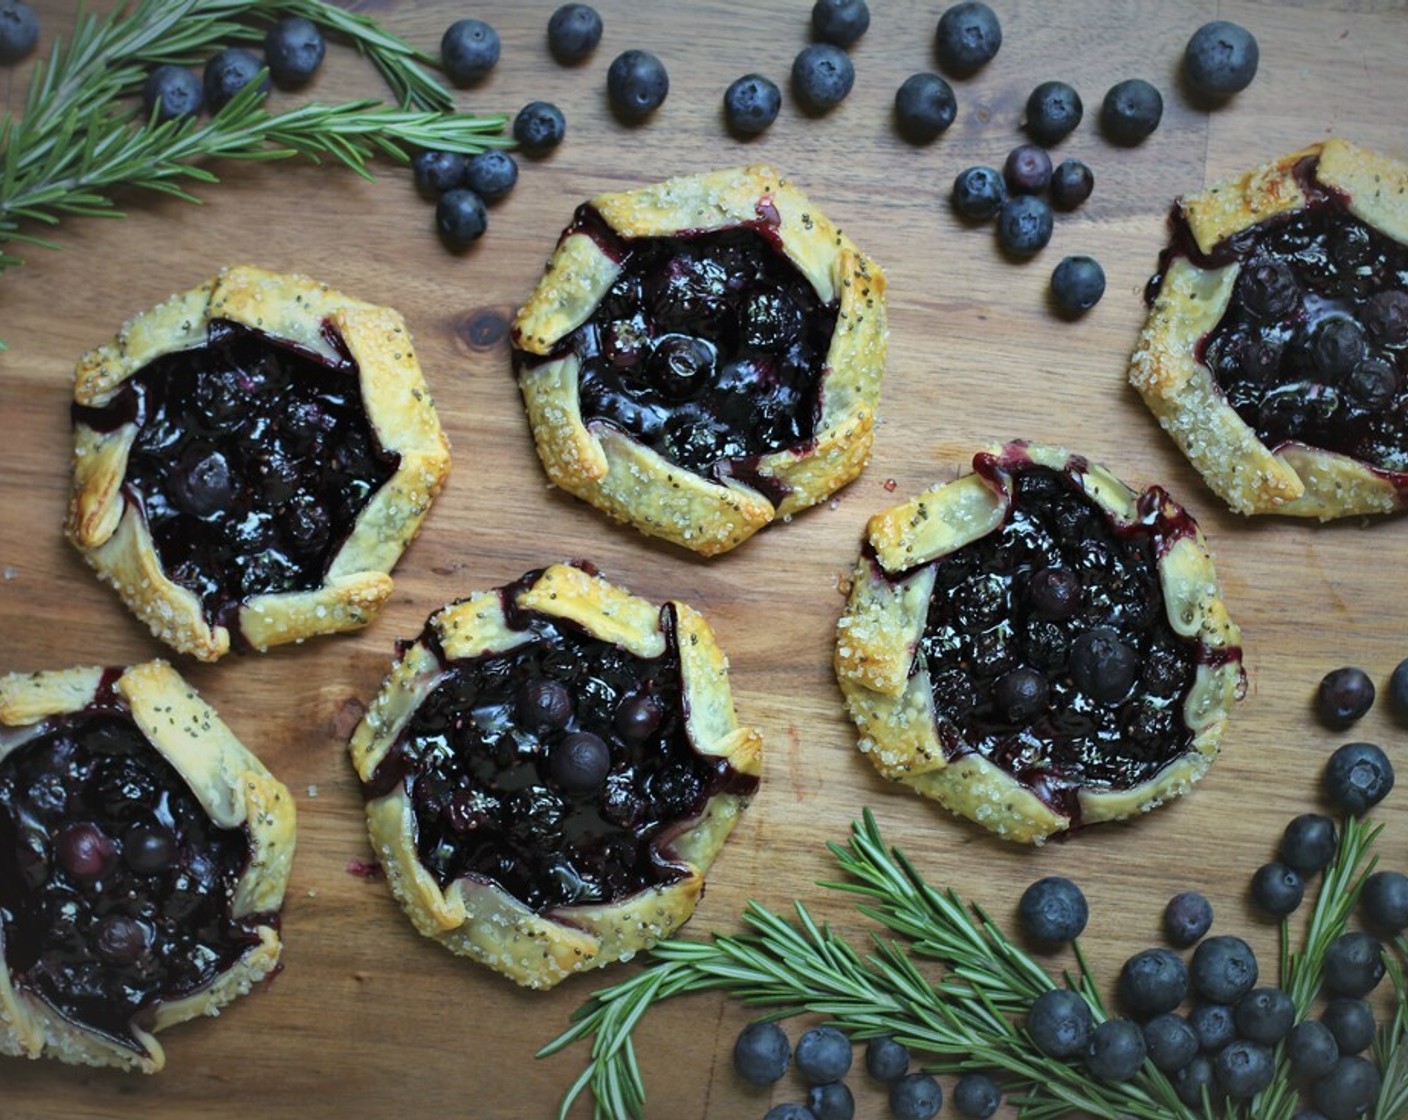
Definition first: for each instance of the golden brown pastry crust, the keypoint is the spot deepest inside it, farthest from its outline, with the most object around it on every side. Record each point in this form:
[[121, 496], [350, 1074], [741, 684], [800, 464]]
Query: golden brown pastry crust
[[633, 483], [888, 693], [234, 788], [112, 534], [1292, 479], [482, 921]]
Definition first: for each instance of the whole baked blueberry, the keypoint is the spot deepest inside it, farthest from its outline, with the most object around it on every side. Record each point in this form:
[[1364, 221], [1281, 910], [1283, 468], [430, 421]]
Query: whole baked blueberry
[[968, 38], [1170, 1042], [636, 84], [751, 104], [1059, 1023], [1349, 1090], [1383, 902], [19, 30], [437, 172], [832, 1101], [1358, 776], [294, 49], [1187, 917], [1027, 169], [823, 1054], [1308, 844], [469, 49], [978, 194], [539, 127], [1311, 1049], [574, 32], [579, 762], [924, 107], [1021, 695], [460, 218], [1344, 695], [1103, 666], [1077, 284], [1244, 1068], [1071, 184], [1053, 910], [491, 174], [1264, 1015], [976, 1095], [1131, 111], [1220, 59], [1024, 225], [1277, 889], [762, 1053], [1054, 110], [885, 1059], [172, 91], [228, 72], [915, 1096], [1153, 981], [1354, 964], [1351, 1023], [1223, 969], [1115, 1051], [842, 22], [822, 76]]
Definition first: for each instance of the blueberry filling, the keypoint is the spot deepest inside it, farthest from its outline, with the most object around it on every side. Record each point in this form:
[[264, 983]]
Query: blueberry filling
[[251, 463], [708, 348], [115, 885], [556, 770]]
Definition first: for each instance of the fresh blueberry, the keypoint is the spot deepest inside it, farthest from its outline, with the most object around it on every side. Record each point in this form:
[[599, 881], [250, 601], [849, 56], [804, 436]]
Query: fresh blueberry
[[294, 49], [1102, 665], [924, 107], [1077, 284], [1214, 1025], [1358, 776], [573, 32], [1170, 1041], [790, 1110], [1344, 696], [1190, 1081], [823, 1054], [832, 1101], [842, 22], [460, 218], [751, 104], [1220, 59], [636, 84], [915, 1096], [1383, 902], [1131, 111], [1187, 917], [1024, 227], [1027, 169], [1308, 844], [1348, 1091], [1311, 1049], [885, 1059], [978, 194], [1054, 110], [1398, 690], [1071, 184], [1053, 910], [976, 1095], [19, 30], [491, 174], [1354, 964], [172, 91], [1244, 1068], [539, 127], [762, 1053], [1224, 969], [1277, 889], [968, 38], [1115, 1050], [469, 49], [822, 76], [228, 72], [1351, 1023], [437, 172], [1153, 981], [1059, 1023], [1264, 1015]]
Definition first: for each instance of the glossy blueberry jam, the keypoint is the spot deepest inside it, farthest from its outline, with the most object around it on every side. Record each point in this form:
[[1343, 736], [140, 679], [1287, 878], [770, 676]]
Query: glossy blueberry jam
[[556, 770], [252, 461], [1048, 645], [709, 347], [115, 885]]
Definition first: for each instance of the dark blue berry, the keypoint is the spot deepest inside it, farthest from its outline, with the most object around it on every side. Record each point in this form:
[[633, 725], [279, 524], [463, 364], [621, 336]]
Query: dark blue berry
[[1053, 910], [1244, 1068], [885, 1059], [832, 1101], [1021, 695], [1054, 110], [1351, 1024], [1077, 284], [228, 72], [1354, 964], [460, 218], [172, 91], [1277, 889], [751, 104], [438, 172], [1311, 1049], [762, 1053], [636, 84], [1071, 184], [968, 38], [1223, 969], [1344, 695], [979, 192], [579, 763], [469, 49], [1383, 902], [1131, 111], [1308, 844], [1337, 346], [1398, 690], [789, 1110], [1024, 227], [1153, 981], [1170, 1041], [823, 1054], [1115, 1050], [1102, 665], [1187, 917], [19, 30], [1190, 1081], [842, 22], [1214, 1025], [924, 108], [1358, 776], [822, 76], [1027, 169], [539, 127], [1220, 59], [294, 49], [1059, 1023], [1349, 1090], [491, 174], [1264, 1015], [915, 1096], [574, 32], [976, 1095]]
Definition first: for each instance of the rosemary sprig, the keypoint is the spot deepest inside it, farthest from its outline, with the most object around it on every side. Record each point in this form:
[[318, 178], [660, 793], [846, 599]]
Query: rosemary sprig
[[971, 1017]]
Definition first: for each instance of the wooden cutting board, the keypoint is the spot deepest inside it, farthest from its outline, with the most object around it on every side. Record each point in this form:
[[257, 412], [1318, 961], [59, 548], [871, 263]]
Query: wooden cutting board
[[370, 1020]]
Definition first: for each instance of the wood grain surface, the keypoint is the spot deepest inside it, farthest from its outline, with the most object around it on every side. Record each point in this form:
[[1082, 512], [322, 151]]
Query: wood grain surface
[[370, 1020]]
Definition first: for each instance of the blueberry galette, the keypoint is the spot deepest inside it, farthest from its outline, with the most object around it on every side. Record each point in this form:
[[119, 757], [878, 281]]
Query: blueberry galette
[[1274, 353], [550, 770], [702, 356], [251, 458], [1037, 646], [143, 859]]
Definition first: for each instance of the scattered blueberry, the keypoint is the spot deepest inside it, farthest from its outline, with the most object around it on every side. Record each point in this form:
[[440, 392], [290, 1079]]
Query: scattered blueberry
[[172, 91], [967, 38], [762, 1053], [1358, 776], [915, 1096], [924, 107], [1115, 1051], [842, 22], [1308, 844], [1383, 902], [1349, 1090], [491, 174], [822, 76], [1153, 981], [573, 32], [294, 49], [885, 1059], [1244, 1068], [1345, 695], [1264, 1015], [1054, 110], [1277, 889], [437, 172], [979, 192], [1351, 1024], [19, 30], [1170, 1041], [751, 104], [790, 1110], [1398, 690], [823, 1054], [228, 72], [1077, 285], [1053, 910], [1311, 1049], [1354, 964], [1190, 1081], [1223, 969], [460, 218], [1071, 184], [636, 84], [832, 1101], [1187, 917], [1059, 1023], [539, 127], [1027, 169], [1131, 111], [469, 49], [1214, 1025], [1220, 59], [1024, 227], [977, 1096]]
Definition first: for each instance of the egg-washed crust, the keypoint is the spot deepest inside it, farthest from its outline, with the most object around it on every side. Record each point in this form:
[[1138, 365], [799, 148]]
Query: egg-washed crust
[[635, 484], [234, 788], [887, 690], [480, 920], [1293, 479], [113, 535]]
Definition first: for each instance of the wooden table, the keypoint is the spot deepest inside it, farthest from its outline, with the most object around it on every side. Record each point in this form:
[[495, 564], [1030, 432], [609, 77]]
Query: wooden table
[[370, 1020]]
